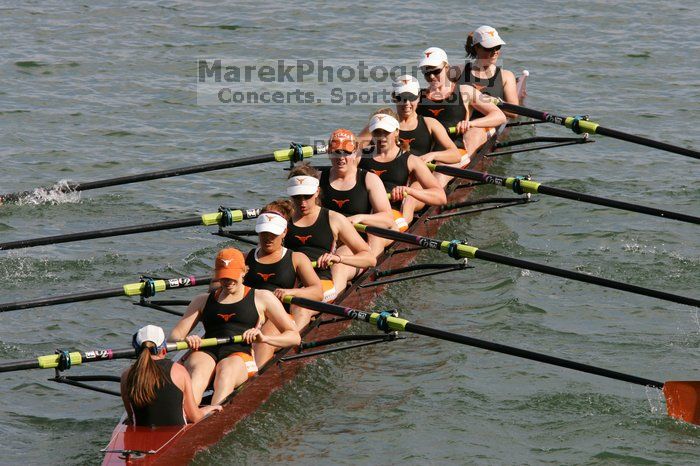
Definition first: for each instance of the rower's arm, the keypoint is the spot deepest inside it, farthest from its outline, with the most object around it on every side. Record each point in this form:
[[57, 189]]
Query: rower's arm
[[493, 116], [381, 215], [312, 288], [432, 193], [361, 256], [189, 320], [274, 311], [450, 153], [510, 91]]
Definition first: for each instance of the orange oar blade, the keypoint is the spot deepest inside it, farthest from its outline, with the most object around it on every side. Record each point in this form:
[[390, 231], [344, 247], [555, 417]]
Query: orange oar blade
[[683, 400]]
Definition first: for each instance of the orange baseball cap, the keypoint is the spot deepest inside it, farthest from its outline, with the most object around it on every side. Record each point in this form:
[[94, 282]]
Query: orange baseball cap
[[229, 263], [342, 140]]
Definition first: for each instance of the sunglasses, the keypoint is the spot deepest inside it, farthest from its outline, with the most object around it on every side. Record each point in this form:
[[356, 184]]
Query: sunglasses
[[432, 72], [341, 153], [404, 97]]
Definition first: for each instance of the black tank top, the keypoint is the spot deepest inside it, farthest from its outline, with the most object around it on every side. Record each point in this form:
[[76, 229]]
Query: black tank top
[[281, 274], [492, 86], [448, 111], [227, 320], [394, 173], [313, 240], [419, 139], [351, 202], [166, 409]]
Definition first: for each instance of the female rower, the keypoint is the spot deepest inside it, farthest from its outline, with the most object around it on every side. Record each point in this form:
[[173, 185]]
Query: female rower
[[395, 167], [452, 103], [420, 135], [315, 231], [234, 309], [356, 193], [157, 391], [273, 267], [483, 47]]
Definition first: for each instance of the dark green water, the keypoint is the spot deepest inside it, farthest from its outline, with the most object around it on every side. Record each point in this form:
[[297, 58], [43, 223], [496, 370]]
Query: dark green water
[[104, 89]]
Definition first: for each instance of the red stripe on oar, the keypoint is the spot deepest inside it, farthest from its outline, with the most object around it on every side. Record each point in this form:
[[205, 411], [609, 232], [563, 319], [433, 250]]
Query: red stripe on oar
[[683, 400]]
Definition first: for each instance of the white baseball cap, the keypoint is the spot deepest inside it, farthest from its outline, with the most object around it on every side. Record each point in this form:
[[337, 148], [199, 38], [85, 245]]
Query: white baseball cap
[[433, 57], [487, 37], [270, 222], [383, 121], [406, 84], [151, 333], [302, 185]]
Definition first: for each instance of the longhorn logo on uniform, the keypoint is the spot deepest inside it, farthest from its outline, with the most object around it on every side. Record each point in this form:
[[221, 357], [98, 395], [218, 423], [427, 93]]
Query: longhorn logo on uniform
[[435, 112], [226, 317], [340, 202], [378, 172], [303, 239], [407, 140], [266, 276]]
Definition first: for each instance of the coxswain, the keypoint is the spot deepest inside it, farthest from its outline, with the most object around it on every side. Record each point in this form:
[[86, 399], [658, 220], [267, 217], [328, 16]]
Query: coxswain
[[354, 192], [396, 167], [273, 267], [481, 70], [156, 391], [233, 309], [315, 231], [453, 103]]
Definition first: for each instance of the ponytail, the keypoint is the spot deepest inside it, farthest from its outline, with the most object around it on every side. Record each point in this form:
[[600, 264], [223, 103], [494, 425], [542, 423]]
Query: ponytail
[[144, 378], [469, 46]]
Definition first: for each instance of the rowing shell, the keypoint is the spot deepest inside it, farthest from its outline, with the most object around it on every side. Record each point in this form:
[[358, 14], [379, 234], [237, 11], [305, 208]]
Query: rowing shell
[[178, 445]]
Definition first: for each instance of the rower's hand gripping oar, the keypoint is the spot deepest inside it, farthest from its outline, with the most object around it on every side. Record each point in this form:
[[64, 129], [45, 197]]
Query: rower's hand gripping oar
[[520, 186], [579, 124], [682, 397], [224, 217], [146, 288], [64, 360], [296, 153], [457, 250]]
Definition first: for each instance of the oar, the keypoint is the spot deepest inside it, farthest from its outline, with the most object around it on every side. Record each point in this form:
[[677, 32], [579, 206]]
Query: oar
[[145, 288], [521, 186], [276, 156], [581, 125], [682, 397], [76, 358], [224, 218], [456, 250]]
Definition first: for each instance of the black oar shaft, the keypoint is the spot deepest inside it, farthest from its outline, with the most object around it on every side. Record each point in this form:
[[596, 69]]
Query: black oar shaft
[[532, 355], [127, 290], [473, 252], [646, 142], [538, 188], [582, 277], [576, 196], [279, 156], [222, 218], [404, 325], [108, 232], [594, 128]]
